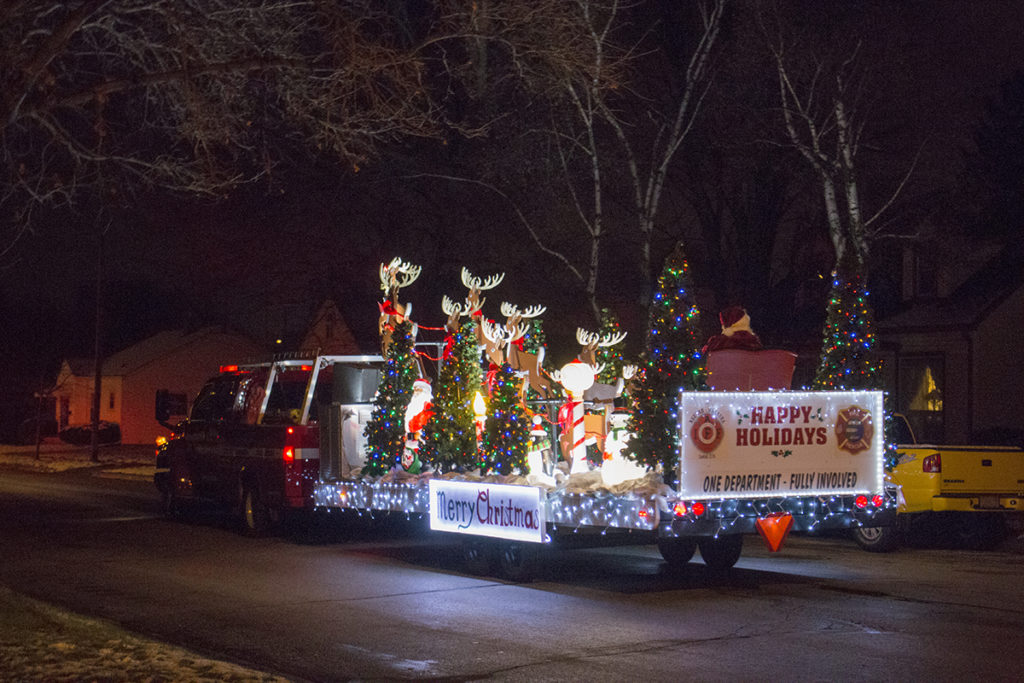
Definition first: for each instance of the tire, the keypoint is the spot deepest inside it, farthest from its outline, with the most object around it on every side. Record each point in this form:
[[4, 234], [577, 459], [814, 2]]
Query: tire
[[255, 515], [878, 539], [517, 561], [478, 556], [171, 506], [721, 552], [677, 551]]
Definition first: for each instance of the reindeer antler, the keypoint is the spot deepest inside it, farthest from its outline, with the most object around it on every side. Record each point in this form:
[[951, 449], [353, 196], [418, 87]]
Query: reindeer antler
[[473, 282], [512, 311], [593, 340], [389, 274], [501, 335], [451, 308]]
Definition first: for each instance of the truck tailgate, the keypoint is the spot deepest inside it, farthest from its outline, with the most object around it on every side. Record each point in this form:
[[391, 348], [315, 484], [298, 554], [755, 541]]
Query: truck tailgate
[[981, 469]]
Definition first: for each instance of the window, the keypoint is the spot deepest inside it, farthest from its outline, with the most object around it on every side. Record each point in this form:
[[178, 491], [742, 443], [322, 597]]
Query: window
[[920, 387], [215, 400], [110, 403], [926, 276]]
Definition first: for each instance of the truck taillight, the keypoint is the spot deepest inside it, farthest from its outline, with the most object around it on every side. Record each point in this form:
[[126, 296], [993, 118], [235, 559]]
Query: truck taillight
[[288, 454], [932, 463]]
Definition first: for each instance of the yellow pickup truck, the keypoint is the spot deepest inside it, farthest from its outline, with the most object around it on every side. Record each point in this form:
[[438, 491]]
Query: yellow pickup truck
[[971, 494]]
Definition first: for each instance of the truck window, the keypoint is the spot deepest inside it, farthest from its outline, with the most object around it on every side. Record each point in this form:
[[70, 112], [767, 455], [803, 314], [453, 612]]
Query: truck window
[[215, 400], [249, 400], [287, 395]]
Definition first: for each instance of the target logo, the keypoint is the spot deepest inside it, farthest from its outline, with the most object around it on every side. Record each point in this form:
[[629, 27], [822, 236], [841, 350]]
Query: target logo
[[707, 433]]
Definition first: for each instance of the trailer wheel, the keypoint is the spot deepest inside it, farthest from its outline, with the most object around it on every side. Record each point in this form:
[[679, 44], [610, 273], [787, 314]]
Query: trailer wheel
[[255, 515], [170, 505], [517, 561], [721, 552], [878, 539], [478, 556], [677, 551]]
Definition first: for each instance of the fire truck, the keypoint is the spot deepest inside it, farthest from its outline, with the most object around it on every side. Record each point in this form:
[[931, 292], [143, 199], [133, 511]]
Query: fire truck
[[271, 441], [252, 440]]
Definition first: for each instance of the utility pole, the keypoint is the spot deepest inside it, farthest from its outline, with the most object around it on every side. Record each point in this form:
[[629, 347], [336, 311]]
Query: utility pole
[[98, 355]]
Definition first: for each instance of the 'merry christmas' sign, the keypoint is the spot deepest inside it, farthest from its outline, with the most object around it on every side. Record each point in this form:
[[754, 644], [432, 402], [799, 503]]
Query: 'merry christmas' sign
[[756, 444], [515, 513]]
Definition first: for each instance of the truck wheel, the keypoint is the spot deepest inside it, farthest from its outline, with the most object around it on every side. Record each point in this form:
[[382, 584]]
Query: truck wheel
[[255, 515], [677, 551], [478, 556], [721, 552], [517, 561], [170, 505], [877, 539]]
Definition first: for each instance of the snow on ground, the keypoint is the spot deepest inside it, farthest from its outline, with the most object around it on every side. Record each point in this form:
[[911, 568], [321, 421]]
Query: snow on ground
[[55, 456], [39, 642]]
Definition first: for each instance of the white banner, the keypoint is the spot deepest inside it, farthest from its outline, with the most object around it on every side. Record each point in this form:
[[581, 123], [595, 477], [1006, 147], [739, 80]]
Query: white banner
[[515, 513], [764, 444]]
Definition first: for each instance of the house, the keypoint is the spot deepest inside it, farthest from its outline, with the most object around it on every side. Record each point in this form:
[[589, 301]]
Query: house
[[329, 334], [177, 361], [951, 361]]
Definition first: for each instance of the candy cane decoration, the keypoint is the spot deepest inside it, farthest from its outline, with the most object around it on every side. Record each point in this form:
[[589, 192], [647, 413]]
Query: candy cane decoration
[[576, 377]]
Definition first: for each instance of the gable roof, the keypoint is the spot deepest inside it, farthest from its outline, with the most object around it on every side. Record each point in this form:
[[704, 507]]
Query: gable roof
[[128, 360], [970, 303]]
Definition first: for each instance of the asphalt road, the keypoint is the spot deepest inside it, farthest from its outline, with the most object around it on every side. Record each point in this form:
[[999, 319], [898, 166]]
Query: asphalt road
[[384, 599]]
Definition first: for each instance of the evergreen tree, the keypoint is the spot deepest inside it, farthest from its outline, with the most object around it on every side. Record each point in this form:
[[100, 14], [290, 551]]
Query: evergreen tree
[[849, 354], [672, 361], [385, 432], [507, 432], [610, 356], [449, 437]]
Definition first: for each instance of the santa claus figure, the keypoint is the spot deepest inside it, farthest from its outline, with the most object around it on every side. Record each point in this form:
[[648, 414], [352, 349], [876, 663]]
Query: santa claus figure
[[419, 410], [736, 332]]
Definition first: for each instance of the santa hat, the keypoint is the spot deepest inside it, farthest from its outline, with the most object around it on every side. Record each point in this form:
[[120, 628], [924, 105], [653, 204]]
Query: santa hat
[[732, 315]]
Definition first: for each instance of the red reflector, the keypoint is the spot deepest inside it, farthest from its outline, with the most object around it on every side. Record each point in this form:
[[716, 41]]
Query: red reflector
[[933, 463], [229, 368], [644, 513], [305, 368], [877, 500], [697, 509], [861, 501], [679, 508], [289, 454], [291, 430]]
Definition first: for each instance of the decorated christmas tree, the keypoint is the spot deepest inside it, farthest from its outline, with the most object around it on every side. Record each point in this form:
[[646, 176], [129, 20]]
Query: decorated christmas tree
[[385, 432], [507, 431], [849, 354], [609, 356], [450, 435], [672, 361]]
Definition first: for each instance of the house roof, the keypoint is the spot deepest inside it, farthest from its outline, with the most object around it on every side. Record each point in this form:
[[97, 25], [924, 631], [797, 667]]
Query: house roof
[[137, 356], [970, 303]]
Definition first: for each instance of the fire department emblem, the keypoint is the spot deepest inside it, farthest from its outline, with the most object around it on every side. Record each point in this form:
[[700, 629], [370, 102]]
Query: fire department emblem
[[707, 432], [854, 429]]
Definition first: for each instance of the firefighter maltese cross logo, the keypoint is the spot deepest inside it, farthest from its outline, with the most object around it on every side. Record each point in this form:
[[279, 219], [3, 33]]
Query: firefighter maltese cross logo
[[706, 432], [854, 429]]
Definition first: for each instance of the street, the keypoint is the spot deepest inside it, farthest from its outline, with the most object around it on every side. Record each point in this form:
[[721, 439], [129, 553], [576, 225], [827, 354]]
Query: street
[[386, 599]]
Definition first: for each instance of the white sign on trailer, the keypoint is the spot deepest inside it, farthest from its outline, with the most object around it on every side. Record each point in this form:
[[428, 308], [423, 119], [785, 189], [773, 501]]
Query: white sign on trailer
[[515, 513], [767, 444]]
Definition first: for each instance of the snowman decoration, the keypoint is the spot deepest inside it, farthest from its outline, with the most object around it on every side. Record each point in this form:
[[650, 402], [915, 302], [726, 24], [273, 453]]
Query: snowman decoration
[[419, 410]]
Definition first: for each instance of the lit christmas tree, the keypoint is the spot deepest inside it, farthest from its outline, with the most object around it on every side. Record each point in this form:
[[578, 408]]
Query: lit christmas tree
[[385, 432], [449, 440], [849, 355], [609, 356], [672, 361], [507, 431]]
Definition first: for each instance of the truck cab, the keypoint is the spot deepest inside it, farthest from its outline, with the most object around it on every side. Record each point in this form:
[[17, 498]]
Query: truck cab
[[252, 441]]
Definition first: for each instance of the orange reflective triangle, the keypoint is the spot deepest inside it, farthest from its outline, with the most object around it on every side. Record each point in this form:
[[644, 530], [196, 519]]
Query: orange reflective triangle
[[774, 528]]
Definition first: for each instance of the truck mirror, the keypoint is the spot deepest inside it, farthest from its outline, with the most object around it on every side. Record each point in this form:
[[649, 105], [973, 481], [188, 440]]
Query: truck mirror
[[168, 404]]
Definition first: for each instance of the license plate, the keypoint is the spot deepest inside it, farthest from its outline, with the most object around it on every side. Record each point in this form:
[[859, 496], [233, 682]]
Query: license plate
[[988, 503]]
